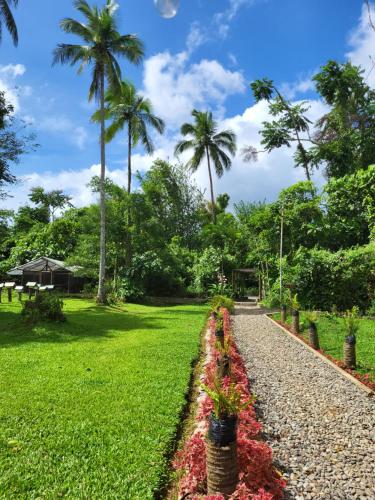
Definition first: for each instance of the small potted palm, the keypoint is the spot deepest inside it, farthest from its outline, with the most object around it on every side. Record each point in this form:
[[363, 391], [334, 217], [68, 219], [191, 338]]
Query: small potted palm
[[222, 469], [224, 361], [311, 318], [295, 313], [351, 320]]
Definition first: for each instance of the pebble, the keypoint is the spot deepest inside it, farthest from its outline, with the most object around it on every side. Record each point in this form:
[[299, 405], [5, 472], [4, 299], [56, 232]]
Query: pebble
[[320, 426]]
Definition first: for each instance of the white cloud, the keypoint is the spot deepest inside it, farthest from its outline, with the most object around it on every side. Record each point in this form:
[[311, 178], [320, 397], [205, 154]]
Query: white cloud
[[195, 38], [8, 84], [362, 43], [175, 86], [12, 70], [222, 20], [77, 135]]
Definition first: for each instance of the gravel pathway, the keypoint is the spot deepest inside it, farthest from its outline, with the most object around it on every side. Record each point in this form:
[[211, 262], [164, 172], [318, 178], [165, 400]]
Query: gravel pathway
[[320, 426]]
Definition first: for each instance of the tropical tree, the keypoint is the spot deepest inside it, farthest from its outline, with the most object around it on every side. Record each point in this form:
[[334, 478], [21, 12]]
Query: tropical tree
[[128, 109], [6, 16], [52, 200], [102, 43], [207, 143], [289, 125]]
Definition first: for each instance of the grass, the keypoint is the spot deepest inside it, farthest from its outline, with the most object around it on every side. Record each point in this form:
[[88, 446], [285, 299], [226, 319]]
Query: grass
[[331, 330], [89, 408]]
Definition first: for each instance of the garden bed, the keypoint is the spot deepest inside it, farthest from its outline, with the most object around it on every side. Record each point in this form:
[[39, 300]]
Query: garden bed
[[258, 478], [332, 334]]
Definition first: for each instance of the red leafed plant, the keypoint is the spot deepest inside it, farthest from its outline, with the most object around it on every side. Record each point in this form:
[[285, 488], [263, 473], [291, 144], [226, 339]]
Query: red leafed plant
[[258, 478]]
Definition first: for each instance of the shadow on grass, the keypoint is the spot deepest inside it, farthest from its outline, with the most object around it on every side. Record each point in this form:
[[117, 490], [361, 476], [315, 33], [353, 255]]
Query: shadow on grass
[[85, 323]]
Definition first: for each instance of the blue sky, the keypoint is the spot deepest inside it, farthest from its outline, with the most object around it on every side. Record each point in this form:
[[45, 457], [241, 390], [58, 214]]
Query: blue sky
[[204, 57]]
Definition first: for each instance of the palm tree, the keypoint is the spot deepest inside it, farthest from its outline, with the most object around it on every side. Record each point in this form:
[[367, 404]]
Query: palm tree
[[207, 142], [131, 110], [6, 16], [102, 43]]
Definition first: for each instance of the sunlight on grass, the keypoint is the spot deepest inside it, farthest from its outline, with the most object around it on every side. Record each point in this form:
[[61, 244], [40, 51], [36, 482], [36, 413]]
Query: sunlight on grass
[[88, 408]]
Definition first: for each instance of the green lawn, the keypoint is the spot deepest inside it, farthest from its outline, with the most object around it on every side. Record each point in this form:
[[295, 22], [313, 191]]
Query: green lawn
[[331, 330], [89, 408]]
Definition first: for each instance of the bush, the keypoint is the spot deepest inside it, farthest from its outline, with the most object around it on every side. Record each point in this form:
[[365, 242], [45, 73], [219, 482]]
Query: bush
[[45, 307], [322, 278], [220, 301]]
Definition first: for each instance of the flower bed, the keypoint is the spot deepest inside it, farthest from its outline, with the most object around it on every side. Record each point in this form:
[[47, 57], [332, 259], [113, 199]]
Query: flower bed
[[364, 378], [259, 480]]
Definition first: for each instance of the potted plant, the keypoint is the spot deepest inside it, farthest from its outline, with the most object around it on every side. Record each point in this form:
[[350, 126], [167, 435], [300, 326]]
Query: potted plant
[[351, 320], [222, 469], [224, 361], [295, 313], [312, 317]]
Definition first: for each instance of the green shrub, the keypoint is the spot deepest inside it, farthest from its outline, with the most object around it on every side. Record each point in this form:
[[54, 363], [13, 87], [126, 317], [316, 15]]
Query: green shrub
[[322, 278], [45, 307], [219, 301]]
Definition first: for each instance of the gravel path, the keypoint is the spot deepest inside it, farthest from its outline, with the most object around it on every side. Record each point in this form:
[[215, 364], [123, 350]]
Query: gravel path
[[320, 426]]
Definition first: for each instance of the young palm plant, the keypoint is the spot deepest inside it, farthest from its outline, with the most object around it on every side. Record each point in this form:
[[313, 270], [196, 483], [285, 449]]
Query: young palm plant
[[128, 109], [102, 43], [207, 143], [6, 16]]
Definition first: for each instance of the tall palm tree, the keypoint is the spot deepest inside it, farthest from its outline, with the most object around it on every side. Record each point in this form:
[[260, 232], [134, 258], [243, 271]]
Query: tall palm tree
[[133, 111], [102, 44], [207, 143], [6, 16]]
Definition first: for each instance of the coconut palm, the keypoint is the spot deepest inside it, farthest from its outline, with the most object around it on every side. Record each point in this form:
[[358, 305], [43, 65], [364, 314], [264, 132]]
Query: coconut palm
[[207, 143], [133, 111], [6, 16], [102, 43]]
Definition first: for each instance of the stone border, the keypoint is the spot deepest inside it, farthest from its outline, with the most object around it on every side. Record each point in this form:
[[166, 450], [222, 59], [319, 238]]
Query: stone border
[[339, 370]]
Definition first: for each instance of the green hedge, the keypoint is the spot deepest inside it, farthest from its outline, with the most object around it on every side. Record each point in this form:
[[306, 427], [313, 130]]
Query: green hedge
[[323, 279]]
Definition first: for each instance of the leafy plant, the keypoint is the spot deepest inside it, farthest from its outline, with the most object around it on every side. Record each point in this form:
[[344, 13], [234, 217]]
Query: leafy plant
[[351, 320], [226, 400], [311, 316], [45, 307], [219, 301], [294, 304]]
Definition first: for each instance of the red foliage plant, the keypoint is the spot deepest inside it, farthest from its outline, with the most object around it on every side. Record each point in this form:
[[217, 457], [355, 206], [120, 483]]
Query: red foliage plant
[[259, 480]]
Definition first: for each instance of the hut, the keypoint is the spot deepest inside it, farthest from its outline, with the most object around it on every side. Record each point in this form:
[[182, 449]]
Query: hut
[[47, 271]]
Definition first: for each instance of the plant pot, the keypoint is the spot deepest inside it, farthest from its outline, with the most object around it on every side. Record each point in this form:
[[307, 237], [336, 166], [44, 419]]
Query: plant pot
[[223, 366], [283, 313], [350, 351], [222, 468], [295, 320], [313, 335], [222, 431]]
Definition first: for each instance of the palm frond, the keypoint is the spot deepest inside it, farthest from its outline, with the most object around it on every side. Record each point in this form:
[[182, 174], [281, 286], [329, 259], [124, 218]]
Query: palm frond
[[197, 158], [183, 146], [188, 129], [7, 16]]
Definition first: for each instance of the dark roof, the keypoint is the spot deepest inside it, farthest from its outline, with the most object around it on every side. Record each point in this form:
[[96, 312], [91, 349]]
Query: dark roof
[[42, 264]]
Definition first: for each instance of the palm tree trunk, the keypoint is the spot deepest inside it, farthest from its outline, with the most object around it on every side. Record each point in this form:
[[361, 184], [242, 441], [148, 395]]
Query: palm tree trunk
[[101, 289], [129, 158], [213, 210]]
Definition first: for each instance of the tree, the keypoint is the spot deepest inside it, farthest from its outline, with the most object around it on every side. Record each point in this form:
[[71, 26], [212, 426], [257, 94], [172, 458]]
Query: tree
[[6, 16], [128, 109], [346, 135], [102, 43], [207, 142], [12, 143], [291, 125], [52, 200]]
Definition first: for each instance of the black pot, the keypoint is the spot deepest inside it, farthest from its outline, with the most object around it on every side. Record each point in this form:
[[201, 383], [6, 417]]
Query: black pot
[[222, 432], [219, 333], [350, 339], [283, 313]]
